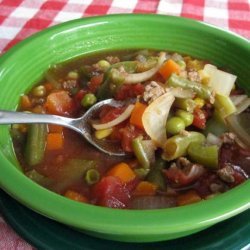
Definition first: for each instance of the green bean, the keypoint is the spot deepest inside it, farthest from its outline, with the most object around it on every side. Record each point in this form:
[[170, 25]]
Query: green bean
[[205, 155], [201, 90], [185, 116], [175, 125], [88, 100], [38, 178], [141, 172], [176, 146], [155, 175], [140, 152], [92, 176], [224, 105], [35, 145], [185, 104]]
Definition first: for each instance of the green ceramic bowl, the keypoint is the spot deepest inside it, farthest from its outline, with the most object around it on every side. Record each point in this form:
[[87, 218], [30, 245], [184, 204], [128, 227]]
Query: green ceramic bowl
[[23, 65]]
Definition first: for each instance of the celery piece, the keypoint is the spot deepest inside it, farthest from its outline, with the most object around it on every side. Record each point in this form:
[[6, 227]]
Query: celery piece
[[205, 155], [177, 145], [215, 126], [202, 91], [224, 105], [35, 145]]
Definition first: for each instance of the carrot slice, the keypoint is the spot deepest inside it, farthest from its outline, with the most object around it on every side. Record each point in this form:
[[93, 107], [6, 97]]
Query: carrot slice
[[75, 196], [136, 115], [122, 171], [188, 198], [169, 67], [54, 141], [59, 103], [53, 128], [145, 188], [25, 102]]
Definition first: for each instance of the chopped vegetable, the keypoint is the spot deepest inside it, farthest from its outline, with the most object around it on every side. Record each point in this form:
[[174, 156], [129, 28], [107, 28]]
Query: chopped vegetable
[[185, 104], [175, 125], [168, 68], [155, 116], [59, 103], [125, 115], [39, 178], [177, 145], [203, 154], [200, 119], [142, 153], [35, 145], [144, 76], [188, 198], [185, 116], [92, 176], [145, 188], [234, 124], [88, 100], [54, 141], [220, 81], [123, 172], [73, 195], [224, 105], [136, 115], [103, 133], [201, 90], [156, 175]]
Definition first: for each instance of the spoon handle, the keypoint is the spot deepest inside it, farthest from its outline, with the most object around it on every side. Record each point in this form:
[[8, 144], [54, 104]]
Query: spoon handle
[[12, 117]]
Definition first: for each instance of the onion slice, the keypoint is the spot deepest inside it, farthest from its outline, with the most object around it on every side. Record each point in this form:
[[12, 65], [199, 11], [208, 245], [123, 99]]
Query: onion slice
[[242, 106], [125, 115], [144, 76], [155, 116], [235, 126]]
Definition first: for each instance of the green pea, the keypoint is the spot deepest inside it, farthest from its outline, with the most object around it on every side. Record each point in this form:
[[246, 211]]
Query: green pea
[[88, 100], [92, 176], [39, 91], [185, 116], [175, 125], [103, 64]]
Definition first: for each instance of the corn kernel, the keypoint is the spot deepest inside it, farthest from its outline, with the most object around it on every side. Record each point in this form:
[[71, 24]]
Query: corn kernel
[[103, 133], [199, 102]]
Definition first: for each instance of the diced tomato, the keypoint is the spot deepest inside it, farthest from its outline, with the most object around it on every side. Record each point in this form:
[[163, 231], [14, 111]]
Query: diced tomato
[[79, 95], [60, 103], [129, 133], [109, 113], [199, 118], [129, 91], [111, 192], [95, 82]]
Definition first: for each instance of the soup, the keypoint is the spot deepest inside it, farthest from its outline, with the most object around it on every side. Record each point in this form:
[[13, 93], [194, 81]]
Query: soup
[[184, 130]]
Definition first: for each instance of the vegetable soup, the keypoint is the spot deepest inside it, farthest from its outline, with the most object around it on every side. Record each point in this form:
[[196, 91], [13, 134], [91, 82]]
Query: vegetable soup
[[185, 130]]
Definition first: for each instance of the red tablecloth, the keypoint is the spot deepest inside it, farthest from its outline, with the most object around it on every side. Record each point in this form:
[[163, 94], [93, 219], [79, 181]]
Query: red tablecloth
[[21, 18]]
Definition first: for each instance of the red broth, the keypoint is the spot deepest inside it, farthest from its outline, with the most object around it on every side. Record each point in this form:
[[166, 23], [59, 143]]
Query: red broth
[[61, 160]]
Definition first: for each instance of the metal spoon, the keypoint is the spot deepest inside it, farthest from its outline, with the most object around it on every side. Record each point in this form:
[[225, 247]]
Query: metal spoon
[[80, 125]]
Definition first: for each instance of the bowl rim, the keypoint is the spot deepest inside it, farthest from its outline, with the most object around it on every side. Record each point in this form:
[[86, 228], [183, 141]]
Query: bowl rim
[[116, 221]]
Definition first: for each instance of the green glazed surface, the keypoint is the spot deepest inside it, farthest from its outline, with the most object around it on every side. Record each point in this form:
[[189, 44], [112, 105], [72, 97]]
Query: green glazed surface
[[23, 65]]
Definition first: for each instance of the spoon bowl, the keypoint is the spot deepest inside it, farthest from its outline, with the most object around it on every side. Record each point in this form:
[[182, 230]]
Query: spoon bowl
[[81, 125]]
